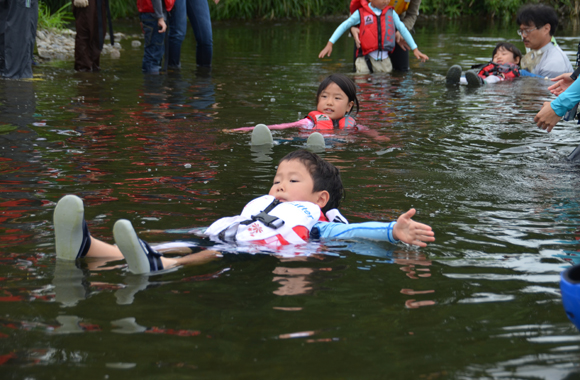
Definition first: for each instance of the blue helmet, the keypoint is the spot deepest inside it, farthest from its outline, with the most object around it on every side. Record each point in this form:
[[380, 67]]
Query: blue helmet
[[570, 287]]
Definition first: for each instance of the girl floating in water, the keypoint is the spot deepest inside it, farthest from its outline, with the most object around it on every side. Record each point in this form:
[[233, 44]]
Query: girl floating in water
[[335, 100]]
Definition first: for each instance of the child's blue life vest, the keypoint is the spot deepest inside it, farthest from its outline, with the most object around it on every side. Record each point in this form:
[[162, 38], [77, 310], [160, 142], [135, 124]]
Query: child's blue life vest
[[376, 32], [267, 221], [322, 121]]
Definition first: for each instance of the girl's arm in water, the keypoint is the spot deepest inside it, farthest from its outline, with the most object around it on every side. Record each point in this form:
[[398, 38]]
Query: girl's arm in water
[[372, 133], [305, 123]]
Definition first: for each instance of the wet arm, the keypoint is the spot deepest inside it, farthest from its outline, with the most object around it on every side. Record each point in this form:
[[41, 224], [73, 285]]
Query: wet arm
[[567, 100], [353, 20], [305, 123], [367, 230]]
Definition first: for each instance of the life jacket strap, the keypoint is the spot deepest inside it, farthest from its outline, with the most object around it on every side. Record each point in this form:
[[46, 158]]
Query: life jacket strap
[[267, 219]]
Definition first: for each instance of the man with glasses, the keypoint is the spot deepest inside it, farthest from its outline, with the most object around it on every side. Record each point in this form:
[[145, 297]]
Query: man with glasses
[[538, 22]]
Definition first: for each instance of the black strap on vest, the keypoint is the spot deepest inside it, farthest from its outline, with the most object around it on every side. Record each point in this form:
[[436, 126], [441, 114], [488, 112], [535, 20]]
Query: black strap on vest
[[369, 64], [268, 220]]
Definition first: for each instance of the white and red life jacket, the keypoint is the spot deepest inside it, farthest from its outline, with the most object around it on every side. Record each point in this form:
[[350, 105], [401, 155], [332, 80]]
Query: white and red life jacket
[[376, 32], [505, 70], [322, 121], [267, 221], [146, 6]]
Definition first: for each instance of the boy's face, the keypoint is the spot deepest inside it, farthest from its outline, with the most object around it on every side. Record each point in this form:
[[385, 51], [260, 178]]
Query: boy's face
[[503, 56], [380, 4], [293, 182]]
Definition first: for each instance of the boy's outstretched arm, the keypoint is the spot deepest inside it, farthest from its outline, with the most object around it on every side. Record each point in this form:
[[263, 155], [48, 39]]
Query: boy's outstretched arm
[[411, 232]]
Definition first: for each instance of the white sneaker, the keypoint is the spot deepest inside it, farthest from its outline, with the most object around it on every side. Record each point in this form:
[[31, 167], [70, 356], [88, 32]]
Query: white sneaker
[[316, 140], [261, 135], [141, 258], [72, 238]]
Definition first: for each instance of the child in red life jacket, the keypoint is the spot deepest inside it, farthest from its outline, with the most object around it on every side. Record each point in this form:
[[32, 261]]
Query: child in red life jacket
[[152, 15], [504, 65], [378, 26], [335, 100], [308, 188]]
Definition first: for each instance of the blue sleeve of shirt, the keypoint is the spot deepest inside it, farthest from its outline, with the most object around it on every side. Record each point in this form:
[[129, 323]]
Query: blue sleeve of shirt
[[366, 230], [404, 31], [526, 73], [567, 100], [353, 20]]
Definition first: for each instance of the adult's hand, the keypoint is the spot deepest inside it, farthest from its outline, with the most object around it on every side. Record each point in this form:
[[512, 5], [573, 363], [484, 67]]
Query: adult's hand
[[355, 34], [216, 1], [547, 118], [562, 83], [401, 42]]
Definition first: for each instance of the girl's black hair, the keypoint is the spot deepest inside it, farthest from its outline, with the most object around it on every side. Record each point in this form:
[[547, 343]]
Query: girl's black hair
[[509, 47], [325, 176], [346, 85]]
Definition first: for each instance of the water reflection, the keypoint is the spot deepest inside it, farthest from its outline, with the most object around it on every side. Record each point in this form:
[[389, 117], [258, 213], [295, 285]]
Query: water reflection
[[498, 191]]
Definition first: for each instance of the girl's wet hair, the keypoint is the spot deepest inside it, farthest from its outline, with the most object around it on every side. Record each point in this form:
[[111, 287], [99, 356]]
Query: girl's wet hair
[[325, 176], [509, 47], [346, 85]]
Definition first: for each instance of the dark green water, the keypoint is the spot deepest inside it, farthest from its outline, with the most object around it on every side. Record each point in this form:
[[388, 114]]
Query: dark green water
[[481, 302]]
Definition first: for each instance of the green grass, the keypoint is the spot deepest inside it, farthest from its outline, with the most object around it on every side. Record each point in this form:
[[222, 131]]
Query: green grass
[[299, 9], [55, 20]]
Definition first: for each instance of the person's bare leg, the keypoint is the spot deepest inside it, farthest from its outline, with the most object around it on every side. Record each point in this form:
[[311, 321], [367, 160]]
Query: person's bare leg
[[100, 249], [198, 258]]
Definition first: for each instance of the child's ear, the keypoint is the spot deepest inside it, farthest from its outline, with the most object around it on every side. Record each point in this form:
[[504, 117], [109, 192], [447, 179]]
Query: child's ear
[[323, 198], [350, 105], [517, 60]]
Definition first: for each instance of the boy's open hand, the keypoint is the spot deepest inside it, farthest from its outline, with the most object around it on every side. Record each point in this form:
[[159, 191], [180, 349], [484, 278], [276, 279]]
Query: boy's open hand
[[420, 56], [410, 232], [326, 51]]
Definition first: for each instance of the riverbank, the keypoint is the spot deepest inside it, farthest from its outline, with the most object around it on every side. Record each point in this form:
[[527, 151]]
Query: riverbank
[[60, 44]]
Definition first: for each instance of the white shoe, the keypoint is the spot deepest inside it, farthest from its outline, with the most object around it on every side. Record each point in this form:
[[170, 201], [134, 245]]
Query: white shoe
[[316, 140], [140, 257], [72, 239], [261, 135]]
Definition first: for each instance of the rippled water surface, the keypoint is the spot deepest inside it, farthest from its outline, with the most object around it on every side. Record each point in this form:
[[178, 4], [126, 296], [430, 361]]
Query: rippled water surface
[[481, 302]]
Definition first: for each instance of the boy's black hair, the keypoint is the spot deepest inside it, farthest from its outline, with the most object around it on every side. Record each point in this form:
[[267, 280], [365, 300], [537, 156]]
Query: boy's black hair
[[539, 15], [509, 47], [325, 176], [345, 83]]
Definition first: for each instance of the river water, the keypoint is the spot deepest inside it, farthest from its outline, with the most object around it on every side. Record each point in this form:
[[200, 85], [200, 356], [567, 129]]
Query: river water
[[481, 302]]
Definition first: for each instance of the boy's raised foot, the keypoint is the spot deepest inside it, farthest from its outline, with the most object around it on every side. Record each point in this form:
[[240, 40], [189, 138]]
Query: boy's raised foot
[[453, 74], [140, 257], [261, 135], [473, 80], [72, 238]]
